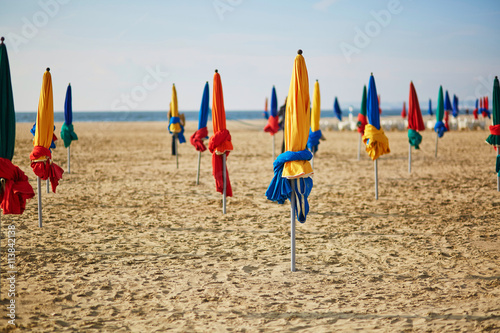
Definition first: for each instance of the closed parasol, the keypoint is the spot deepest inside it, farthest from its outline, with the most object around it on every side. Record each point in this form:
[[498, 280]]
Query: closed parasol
[[67, 131], [292, 169], [272, 126], [220, 143], [494, 137], [415, 123], [315, 131], [374, 138], [362, 120], [15, 188], [41, 156], [202, 133], [439, 127], [174, 126], [455, 106]]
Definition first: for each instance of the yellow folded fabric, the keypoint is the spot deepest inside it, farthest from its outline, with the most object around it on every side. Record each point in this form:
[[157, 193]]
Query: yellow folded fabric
[[378, 143], [297, 119], [174, 128]]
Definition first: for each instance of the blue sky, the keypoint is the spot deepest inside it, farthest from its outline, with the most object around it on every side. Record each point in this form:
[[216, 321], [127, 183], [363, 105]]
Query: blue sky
[[125, 55]]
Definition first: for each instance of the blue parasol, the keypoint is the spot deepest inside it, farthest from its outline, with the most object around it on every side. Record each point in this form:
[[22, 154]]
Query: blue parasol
[[336, 109], [203, 115], [447, 102], [202, 133], [430, 108], [274, 103], [376, 142], [373, 112], [67, 131], [455, 106]]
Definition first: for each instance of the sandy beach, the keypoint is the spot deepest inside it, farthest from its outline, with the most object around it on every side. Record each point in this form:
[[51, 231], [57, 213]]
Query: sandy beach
[[130, 243]]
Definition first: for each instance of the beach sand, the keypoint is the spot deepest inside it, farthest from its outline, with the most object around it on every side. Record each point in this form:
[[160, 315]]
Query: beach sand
[[130, 243]]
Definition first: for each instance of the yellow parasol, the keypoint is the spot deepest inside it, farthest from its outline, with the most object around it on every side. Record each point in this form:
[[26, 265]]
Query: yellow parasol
[[315, 133], [41, 156], [292, 169], [297, 119]]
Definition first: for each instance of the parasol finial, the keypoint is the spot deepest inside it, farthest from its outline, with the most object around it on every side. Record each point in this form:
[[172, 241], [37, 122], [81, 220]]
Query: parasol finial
[[48, 69], [69, 84], [2, 39], [299, 51], [371, 74], [216, 71], [496, 77]]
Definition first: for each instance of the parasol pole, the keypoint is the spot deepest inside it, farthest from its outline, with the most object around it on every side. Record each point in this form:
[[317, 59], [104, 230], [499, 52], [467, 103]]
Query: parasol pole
[[224, 175], [176, 151], [68, 160], [376, 179], [2, 187], [409, 158], [274, 144], [437, 138], [48, 186], [359, 146], [198, 172], [498, 175], [39, 188], [292, 225]]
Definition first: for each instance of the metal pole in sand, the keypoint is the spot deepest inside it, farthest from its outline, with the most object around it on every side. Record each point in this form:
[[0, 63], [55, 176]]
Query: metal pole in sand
[[48, 186], [224, 183], [498, 175], [437, 138], [292, 226], [39, 188], [376, 178], [409, 158], [69, 170], [176, 151], [198, 171], [274, 144], [359, 146], [2, 184]]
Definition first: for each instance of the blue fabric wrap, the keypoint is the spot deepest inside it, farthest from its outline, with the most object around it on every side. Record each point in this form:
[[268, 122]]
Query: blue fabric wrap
[[280, 189], [440, 128], [180, 135], [313, 140], [33, 130]]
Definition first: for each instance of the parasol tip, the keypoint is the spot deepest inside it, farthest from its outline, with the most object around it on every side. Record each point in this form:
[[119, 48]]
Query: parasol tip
[[299, 51], [496, 77], [48, 69], [216, 71], [2, 39], [371, 74]]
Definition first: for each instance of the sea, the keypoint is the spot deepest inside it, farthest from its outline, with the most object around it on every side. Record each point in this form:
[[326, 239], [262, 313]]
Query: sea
[[130, 116]]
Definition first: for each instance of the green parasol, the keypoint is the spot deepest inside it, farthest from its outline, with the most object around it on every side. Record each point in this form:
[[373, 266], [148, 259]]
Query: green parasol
[[7, 113], [494, 137]]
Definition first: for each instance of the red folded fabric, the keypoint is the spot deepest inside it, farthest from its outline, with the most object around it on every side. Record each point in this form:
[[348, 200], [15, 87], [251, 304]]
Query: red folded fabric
[[272, 125], [495, 129], [46, 170], [475, 114], [197, 139], [446, 116], [363, 121], [215, 141], [17, 188]]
